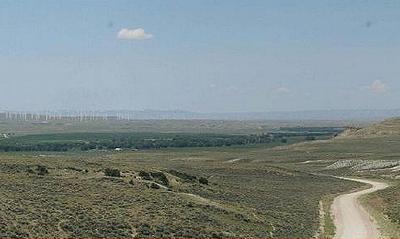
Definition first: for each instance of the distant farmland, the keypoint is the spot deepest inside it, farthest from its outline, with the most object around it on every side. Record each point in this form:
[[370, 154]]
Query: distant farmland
[[109, 141]]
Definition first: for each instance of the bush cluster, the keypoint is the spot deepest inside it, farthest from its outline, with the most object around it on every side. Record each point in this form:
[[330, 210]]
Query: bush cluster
[[112, 172], [203, 180], [42, 170]]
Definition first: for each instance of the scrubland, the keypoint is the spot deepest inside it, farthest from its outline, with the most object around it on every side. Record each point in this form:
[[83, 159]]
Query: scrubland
[[233, 191]]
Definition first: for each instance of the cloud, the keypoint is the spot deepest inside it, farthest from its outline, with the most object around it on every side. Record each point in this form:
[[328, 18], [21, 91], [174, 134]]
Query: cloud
[[282, 90], [133, 34], [378, 87]]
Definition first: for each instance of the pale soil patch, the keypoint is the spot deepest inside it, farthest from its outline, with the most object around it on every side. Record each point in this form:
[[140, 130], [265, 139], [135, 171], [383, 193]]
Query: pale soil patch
[[234, 160]]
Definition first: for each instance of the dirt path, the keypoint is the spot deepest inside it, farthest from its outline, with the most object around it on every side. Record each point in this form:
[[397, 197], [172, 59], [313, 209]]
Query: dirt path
[[234, 160], [351, 219]]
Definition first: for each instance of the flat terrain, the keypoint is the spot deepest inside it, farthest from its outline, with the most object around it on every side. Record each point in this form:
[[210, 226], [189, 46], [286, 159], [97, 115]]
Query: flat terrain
[[21, 127]]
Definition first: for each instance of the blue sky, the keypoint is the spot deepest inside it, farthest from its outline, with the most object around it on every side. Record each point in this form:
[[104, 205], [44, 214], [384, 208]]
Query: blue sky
[[206, 56]]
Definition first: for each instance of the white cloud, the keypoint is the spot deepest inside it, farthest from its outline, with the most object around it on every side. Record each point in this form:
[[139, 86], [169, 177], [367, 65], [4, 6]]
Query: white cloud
[[133, 34], [378, 87], [282, 90]]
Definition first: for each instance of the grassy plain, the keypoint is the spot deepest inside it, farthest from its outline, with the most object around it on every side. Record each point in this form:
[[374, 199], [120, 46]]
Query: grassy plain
[[21, 127]]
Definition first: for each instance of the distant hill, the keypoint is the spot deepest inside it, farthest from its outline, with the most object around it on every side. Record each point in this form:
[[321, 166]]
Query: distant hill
[[332, 115], [389, 127], [367, 115]]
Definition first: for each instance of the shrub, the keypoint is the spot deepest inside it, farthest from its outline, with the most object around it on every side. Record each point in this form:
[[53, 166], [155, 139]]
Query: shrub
[[145, 175], [74, 169], [144, 230], [182, 175], [203, 180], [160, 177], [154, 186], [42, 170], [112, 172]]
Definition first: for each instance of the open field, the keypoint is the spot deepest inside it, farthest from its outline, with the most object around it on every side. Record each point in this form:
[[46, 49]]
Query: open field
[[22, 127], [142, 141], [76, 199], [236, 191], [199, 119]]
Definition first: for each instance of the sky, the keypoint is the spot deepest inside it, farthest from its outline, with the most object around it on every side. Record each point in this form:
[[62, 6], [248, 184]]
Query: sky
[[202, 56]]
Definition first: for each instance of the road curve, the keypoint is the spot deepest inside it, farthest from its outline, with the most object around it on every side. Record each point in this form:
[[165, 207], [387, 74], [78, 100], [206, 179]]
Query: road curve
[[351, 219]]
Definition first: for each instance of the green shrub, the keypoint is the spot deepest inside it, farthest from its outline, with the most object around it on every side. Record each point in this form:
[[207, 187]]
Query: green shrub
[[203, 180], [160, 178], [182, 175], [154, 186], [112, 172], [145, 175], [42, 170], [29, 170], [144, 230], [74, 169]]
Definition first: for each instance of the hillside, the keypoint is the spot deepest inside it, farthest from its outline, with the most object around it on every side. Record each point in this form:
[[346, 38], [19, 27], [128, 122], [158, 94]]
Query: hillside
[[390, 127], [372, 152], [236, 191]]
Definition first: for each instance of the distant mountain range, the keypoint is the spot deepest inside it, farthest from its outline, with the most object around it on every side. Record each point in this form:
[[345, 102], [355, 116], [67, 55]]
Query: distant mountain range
[[274, 115], [368, 115]]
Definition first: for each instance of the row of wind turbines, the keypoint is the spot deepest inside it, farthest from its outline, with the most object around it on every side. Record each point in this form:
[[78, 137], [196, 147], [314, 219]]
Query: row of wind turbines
[[66, 115]]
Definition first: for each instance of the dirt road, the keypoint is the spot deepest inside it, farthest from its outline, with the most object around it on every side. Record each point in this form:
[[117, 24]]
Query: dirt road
[[351, 219]]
